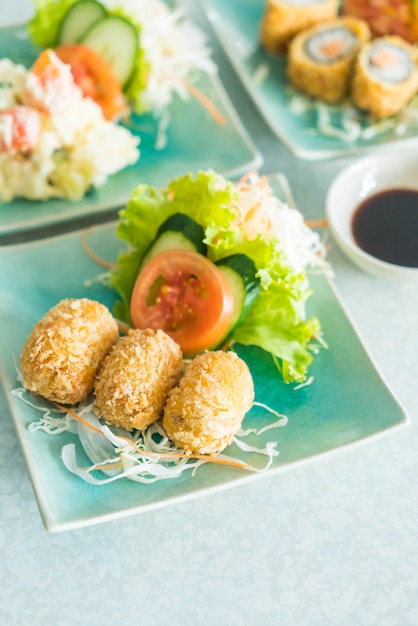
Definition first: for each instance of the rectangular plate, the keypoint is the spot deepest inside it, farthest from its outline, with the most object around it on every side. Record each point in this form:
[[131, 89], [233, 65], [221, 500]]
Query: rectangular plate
[[237, 25], [195, 141], [348, 402]]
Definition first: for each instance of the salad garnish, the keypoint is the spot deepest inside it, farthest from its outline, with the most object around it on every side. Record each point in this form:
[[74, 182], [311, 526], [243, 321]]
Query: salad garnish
[[154, 50], [237, 219]]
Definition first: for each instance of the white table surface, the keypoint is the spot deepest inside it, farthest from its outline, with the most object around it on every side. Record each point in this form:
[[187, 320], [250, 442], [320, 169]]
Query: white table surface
[[334, 542]]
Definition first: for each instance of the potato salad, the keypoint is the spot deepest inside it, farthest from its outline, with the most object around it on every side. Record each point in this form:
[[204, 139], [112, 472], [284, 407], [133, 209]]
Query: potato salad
[[54, 142]]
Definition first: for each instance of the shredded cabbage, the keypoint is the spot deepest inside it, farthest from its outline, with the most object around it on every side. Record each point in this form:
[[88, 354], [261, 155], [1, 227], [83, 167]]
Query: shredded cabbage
[[348, 124], [174, 49], [140, 456], [76, 148]]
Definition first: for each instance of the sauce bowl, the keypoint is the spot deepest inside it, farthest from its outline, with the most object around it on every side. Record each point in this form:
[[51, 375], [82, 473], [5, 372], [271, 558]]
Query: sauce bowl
[[352, 186]]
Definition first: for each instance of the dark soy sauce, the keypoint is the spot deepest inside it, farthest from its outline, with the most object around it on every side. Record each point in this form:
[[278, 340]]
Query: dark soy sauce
[[385, 225]]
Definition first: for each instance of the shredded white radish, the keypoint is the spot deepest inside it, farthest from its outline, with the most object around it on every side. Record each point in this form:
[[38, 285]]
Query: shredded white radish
[[174, 47], [144, 457], [260, 212], [261, 73], [348, 124]]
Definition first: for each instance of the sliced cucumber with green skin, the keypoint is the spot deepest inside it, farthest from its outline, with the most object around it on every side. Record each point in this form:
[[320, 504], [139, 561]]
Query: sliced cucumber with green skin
[[79, 18], [178, 232], [116, 40], [240, 272]]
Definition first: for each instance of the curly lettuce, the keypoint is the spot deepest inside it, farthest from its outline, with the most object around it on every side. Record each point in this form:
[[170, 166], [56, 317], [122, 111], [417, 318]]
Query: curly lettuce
[[44, 27], [277, 321]]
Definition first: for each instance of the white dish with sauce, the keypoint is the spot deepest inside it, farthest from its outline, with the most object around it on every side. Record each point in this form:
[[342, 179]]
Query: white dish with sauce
[[353, 187]]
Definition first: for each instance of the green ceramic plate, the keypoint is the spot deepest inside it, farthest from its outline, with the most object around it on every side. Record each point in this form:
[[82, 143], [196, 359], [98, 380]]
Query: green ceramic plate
[[194, 141], [237, 24], [348, 403]]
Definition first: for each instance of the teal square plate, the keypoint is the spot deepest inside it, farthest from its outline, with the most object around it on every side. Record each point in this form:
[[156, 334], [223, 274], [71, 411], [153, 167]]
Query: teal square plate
[[348, 403], [237, 25], [194, 141]]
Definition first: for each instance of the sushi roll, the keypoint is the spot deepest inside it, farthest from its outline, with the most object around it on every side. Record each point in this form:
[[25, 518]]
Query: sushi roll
[[283, 19], [321, 58], [385, 76]]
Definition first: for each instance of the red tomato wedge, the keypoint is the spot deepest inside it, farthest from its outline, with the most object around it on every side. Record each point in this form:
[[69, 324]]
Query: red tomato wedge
[[187, 296], [94, 76], [24, 126]]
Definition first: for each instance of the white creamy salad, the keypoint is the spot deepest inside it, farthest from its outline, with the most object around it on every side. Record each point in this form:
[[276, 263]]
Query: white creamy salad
[[53, 141]]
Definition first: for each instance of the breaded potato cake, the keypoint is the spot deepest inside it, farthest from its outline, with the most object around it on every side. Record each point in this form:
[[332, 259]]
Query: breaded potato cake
[[133, 383], [204, 413], [64, 350]]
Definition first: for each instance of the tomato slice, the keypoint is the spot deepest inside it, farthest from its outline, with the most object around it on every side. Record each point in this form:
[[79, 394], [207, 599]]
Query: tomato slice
[[94, 76], [22, 129], [187, 296]]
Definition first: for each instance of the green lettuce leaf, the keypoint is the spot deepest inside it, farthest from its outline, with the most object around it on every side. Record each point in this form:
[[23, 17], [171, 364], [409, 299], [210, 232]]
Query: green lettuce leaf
[[44, 27], [277, 321]]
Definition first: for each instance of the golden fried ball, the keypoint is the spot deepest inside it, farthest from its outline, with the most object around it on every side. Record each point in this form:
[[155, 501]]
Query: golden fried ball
[[204, 413], [64, 350], [132, 385]]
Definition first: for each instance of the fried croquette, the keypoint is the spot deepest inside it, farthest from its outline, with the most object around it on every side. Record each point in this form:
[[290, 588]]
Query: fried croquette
[[133, 383], [64, 350], [205, 411]]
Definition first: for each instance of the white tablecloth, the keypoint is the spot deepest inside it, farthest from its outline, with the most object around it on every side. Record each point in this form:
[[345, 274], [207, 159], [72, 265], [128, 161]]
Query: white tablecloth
[[334, 542]]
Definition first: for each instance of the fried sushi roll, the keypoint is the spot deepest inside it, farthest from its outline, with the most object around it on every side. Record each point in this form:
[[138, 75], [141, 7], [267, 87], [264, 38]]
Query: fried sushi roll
[[321, 59], [385, 76], [132, 385], [204, 413], [64, 350], [283, 19]]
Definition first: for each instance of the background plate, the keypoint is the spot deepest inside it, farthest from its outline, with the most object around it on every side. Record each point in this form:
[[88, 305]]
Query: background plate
[[348, 402], [237, 24], [195, 141]]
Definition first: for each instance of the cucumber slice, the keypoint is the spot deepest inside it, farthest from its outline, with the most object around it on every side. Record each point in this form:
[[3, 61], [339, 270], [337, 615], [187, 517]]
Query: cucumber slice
[[116, 40], [178, 232], [79, 18], [240, 272]]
